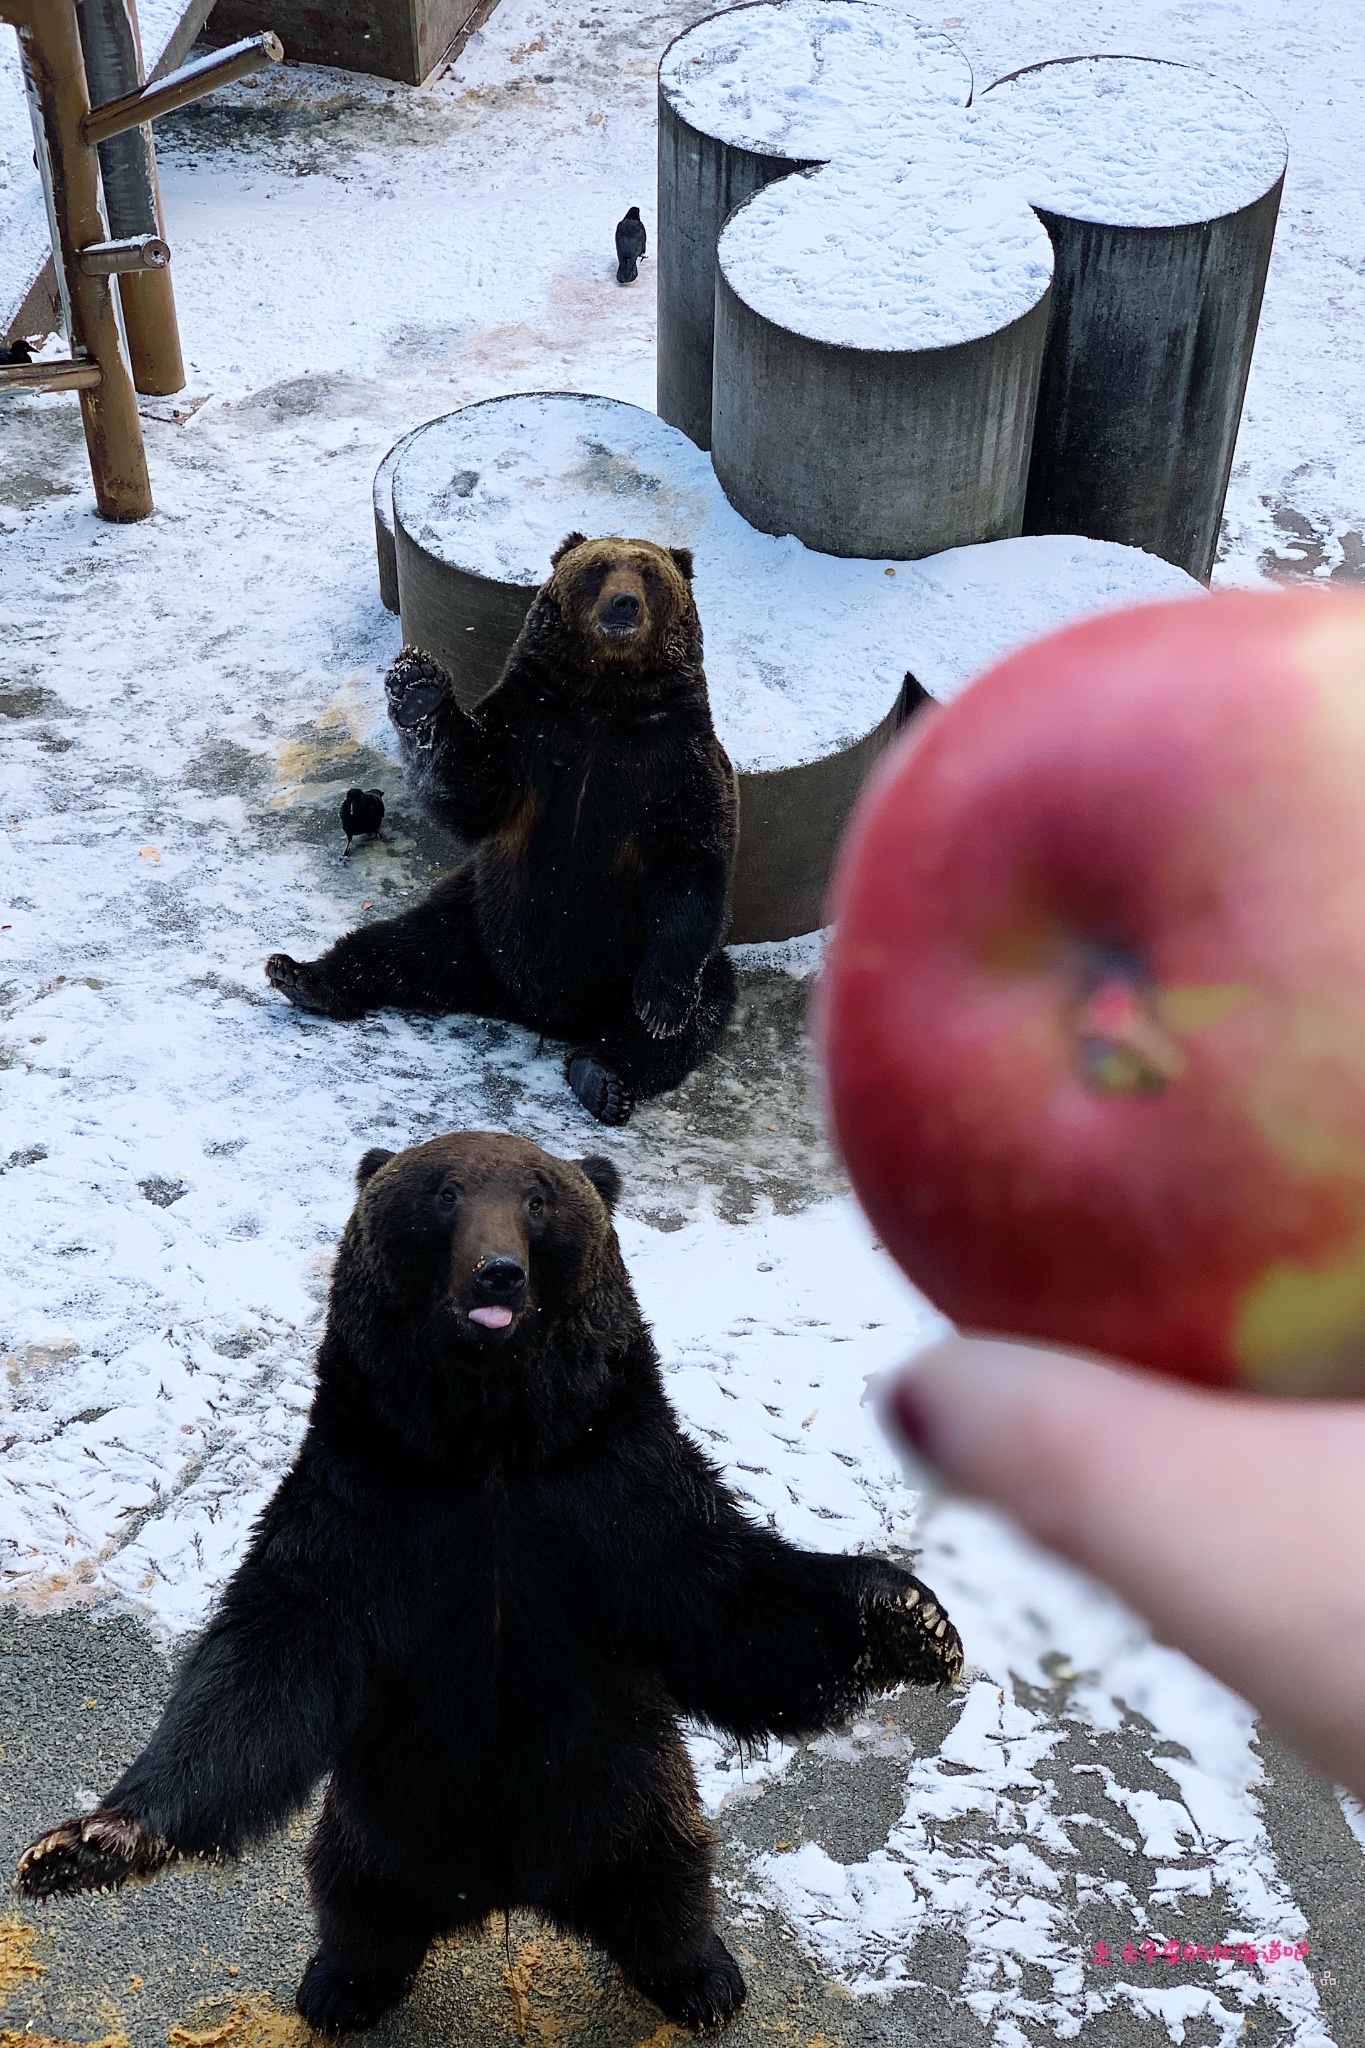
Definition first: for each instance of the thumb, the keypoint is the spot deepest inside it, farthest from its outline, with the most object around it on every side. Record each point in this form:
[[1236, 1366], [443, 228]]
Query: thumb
[[1236, 1525]]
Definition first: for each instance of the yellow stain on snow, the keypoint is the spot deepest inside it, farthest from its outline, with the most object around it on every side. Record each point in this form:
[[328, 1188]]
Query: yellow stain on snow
[[336, 735]]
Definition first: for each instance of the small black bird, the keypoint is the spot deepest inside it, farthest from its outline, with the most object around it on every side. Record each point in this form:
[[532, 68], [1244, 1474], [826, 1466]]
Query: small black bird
[[630, 246], [18, 351], [361, 813]]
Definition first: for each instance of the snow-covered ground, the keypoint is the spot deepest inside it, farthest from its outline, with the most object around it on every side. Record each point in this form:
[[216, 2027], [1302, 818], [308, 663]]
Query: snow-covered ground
[[182, 704]]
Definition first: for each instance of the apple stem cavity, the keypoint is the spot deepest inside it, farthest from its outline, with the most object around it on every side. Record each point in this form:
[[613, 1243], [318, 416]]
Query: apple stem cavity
[[1120, 1047]]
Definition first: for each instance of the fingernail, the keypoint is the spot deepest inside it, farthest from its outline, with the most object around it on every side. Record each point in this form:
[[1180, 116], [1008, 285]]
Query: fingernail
[[912, 1419]]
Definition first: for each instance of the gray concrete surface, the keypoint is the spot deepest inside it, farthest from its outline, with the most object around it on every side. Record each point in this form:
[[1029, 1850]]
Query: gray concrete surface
[[208, 1956]]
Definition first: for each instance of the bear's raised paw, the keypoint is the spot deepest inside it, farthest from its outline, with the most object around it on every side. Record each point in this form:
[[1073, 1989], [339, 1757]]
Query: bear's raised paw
[[95, 1853], [910, 1640]]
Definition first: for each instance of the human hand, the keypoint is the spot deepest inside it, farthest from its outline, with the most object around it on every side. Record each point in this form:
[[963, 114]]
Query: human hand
[[1235, 1525]]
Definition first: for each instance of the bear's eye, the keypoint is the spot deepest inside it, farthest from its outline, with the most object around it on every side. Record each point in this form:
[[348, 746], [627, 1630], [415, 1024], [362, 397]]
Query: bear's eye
[[535, 1205], [448, 1197]]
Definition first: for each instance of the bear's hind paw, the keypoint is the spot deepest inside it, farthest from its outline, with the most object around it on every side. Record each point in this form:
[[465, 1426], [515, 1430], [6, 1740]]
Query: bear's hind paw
[[300, 982], [703, 1998], [331, 2000], [602, 1093]]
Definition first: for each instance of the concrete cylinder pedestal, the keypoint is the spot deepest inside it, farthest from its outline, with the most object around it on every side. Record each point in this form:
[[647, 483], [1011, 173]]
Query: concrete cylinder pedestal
[[751, 95], [878, 344], [1159, 187], [807, 655], [386, 553]]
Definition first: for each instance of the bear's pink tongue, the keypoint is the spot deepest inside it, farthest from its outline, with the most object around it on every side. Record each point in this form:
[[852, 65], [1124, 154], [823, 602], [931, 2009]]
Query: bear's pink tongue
[[491, 1318]]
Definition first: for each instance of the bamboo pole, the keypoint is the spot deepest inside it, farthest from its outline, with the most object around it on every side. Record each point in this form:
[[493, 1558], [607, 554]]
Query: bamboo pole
[[54, 73]]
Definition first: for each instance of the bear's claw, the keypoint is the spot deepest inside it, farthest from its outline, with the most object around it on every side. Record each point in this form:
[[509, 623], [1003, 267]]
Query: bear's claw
[[703, 1998], [602, 1093], [910, 1640], [331, 2000], [96, 1853]]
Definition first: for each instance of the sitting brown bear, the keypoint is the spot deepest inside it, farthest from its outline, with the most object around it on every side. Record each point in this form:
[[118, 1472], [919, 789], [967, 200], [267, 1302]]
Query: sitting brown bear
[[496, 1577], [603, 814]]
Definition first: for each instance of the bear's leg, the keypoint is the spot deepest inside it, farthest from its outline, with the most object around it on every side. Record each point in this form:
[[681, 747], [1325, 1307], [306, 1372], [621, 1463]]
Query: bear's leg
[[627, 1065], [653, 1911], [430, 958], [373, 1935]]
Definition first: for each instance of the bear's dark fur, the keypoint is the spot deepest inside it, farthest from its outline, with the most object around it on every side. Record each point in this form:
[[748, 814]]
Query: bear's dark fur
[[602, 808], [496, 1576]]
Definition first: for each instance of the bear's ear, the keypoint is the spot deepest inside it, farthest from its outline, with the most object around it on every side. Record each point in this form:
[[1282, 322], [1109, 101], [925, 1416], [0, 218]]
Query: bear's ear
[[566, 547], [604, 1176], [371, 1163], [682, 559]]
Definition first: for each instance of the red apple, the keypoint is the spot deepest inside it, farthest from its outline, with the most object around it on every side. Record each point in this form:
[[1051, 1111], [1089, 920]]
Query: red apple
[[1094, 1014]]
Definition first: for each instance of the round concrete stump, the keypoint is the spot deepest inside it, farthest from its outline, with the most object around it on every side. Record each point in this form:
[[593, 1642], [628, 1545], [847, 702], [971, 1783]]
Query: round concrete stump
[[807, 655], [385, 550], [878, 344], [748, 96], [1159, 187]]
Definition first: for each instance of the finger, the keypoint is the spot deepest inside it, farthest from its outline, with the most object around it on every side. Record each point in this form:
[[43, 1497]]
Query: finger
[[1235, 1525]]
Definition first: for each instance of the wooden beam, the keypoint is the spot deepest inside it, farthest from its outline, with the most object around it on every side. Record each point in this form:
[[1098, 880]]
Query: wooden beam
[[61, 376]]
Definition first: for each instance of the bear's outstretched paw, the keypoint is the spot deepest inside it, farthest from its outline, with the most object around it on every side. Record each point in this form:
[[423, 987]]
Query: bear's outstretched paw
[[910, 1640], [602, 1093], [702, 1998], [304, 986], [414, 687], [93, 1854], [333, 2001]]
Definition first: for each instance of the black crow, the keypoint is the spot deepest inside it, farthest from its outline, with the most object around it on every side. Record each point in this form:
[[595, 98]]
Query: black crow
[[630, 246], [361, 813]]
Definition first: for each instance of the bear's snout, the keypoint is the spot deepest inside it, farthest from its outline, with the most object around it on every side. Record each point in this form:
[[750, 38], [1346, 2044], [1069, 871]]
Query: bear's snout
[[623, 611], [499, 1290]]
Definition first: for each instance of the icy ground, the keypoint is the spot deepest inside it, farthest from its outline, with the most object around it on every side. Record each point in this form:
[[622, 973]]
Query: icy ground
[[183, 703]]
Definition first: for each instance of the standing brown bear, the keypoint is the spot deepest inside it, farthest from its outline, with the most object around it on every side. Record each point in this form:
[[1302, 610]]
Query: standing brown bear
[[602, 811], [495, 1578]]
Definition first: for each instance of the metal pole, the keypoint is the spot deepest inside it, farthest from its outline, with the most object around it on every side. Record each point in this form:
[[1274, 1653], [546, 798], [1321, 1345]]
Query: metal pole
[[54, 73], [113, 68]]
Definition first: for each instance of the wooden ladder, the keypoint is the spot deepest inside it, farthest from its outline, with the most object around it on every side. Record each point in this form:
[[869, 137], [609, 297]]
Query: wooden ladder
[[105, 223]]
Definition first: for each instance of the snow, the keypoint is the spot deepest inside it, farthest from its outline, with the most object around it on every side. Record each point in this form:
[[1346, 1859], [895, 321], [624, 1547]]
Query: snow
[[975, 605], [793, 78], [1132, 141], [886, 261], [213, 683], [804, 652]]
